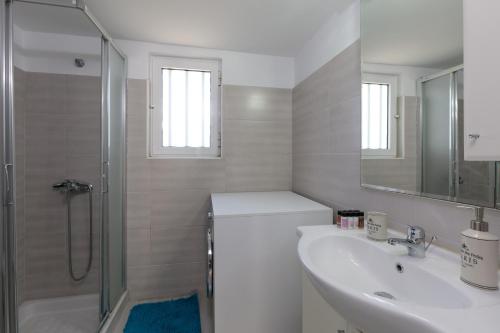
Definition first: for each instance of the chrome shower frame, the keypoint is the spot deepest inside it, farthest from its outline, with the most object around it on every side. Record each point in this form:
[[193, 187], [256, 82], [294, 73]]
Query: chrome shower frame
[[8, 301], [3, 225], [8, 175]]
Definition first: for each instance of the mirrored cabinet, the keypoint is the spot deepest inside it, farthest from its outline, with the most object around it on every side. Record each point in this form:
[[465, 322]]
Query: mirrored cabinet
[[429, 119], [482, 78]]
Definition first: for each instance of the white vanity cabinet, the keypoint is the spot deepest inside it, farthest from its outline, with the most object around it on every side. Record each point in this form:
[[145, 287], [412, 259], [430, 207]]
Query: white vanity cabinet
[[318, 316], [481, 80]]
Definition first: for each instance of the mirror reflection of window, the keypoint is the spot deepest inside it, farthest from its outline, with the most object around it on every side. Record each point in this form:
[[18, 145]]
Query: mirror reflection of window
[[375, 116], [379, 116]]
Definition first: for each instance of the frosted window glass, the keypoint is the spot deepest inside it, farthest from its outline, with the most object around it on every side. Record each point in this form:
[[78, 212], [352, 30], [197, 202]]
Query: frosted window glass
[[375, 116], [186, 108]]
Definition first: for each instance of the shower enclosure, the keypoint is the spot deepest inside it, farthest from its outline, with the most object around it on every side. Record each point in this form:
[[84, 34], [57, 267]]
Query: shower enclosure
[[63, 169], [444, 172]]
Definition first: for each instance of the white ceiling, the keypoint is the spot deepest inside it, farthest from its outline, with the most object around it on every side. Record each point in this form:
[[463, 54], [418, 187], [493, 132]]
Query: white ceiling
[[274, 27], [424, 33]]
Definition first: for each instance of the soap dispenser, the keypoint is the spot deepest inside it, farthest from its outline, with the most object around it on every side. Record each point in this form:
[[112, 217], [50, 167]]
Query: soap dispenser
[[479, 253]]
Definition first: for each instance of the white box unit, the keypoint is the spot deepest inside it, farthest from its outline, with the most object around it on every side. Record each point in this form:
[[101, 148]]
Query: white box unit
[[256, 270]]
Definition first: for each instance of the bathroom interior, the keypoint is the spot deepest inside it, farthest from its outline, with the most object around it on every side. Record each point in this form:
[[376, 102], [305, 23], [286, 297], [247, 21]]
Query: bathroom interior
[[282, 166]]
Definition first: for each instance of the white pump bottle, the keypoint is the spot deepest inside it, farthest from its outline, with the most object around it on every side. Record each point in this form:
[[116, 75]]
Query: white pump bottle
[[479, 253]]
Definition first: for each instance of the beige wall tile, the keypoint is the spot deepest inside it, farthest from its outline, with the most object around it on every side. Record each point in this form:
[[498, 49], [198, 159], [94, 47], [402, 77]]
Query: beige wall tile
[[179, 208], [264, 172], [162, 281], [249, 138], [187, 174], [139, 247], [178, 245], [255, 103], [139, 210]]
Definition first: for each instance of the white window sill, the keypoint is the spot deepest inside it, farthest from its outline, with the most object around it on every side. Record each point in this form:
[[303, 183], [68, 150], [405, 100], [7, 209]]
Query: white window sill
[[381, 157], [180, 157]]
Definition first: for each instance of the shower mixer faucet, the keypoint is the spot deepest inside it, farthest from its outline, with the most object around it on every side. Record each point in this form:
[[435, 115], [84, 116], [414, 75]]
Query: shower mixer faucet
[[70, 185]]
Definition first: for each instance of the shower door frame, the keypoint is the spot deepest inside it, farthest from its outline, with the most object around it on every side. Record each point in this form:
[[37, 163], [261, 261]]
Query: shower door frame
[[8, 175], [8, 289], [3, 270], [453, 125], [105, 306]]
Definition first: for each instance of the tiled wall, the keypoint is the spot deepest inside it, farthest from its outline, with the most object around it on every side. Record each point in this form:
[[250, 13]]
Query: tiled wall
[[326, 155], [326, 131], [168, 199], [58, 137]]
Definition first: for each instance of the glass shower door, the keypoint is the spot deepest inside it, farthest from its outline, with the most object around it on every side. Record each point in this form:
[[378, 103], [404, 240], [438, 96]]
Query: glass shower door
[[114, 171], [437, 137], [445, 173]]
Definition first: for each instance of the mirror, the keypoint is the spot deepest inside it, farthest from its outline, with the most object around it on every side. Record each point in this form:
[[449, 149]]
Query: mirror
[[412, 103]]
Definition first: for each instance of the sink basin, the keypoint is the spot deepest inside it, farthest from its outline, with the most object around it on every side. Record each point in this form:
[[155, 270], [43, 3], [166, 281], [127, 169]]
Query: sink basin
[[379, 288], [370, 270]]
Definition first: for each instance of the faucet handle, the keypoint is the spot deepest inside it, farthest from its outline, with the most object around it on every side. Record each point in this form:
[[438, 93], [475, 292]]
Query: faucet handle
[[429, 244], [415, 233]]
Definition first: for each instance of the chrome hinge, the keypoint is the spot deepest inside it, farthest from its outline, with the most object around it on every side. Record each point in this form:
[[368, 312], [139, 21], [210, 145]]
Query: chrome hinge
[[105, 177], [80, 4], [220, 140], [220, 79], [8, 193]]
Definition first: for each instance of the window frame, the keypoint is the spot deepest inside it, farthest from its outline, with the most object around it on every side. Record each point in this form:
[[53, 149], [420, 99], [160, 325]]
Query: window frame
[[155, 121], [393, 116]]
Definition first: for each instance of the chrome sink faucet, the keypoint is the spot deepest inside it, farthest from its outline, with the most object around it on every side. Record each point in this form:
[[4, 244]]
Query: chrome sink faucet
[[415, 241]]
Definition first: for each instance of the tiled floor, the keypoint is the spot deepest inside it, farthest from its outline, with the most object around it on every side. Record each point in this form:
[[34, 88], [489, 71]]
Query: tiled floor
[[78, 314]]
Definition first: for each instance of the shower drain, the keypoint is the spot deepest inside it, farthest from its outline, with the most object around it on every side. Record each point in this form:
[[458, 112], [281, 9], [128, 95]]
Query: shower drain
[[384, 294]]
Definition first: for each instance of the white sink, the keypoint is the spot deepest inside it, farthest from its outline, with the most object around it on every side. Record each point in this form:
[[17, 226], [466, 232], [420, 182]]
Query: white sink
[[381, 289]]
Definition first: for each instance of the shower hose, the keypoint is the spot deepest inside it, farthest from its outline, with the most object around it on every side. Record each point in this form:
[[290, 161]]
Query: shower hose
[[73, 275]]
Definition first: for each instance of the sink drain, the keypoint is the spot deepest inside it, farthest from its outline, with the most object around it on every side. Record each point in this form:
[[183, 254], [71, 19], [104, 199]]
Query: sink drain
[[384, 294]]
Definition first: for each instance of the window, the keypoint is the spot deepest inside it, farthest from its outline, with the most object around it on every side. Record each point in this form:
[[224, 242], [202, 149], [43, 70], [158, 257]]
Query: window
[[185, 111], [379, 116]]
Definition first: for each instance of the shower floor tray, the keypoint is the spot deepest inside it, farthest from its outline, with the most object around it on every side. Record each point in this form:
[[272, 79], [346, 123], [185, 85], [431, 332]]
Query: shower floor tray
[[75, 314]]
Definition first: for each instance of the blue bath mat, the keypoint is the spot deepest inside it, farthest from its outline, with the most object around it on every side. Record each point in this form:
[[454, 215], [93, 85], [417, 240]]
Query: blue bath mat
[[176, 316]]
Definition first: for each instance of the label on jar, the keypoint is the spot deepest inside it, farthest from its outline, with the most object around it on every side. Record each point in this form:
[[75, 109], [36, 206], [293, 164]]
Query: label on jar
[[376, 227], [479, 262], [469, 258], [372, 226]]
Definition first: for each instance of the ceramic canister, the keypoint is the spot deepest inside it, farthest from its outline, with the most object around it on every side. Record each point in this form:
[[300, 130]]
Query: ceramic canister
[[376, 225]]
